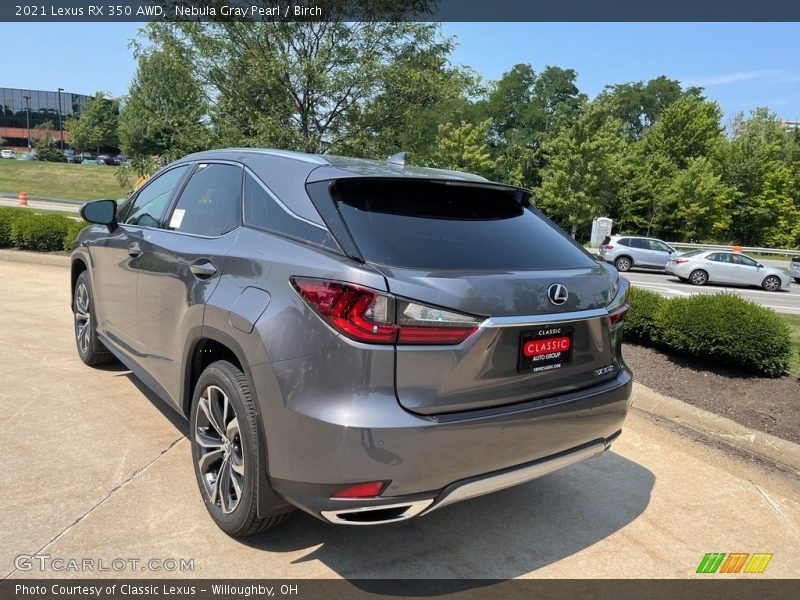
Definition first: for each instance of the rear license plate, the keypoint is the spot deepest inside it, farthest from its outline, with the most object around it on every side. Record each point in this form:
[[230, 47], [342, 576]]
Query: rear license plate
[[546, 348]]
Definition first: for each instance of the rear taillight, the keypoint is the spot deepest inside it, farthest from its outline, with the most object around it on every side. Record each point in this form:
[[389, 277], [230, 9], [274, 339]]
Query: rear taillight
[[680, 261], [608, 247], [619, 306], [370, 316]]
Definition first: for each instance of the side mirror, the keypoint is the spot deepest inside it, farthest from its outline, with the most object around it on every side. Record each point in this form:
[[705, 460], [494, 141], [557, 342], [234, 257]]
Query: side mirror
[[102, 212], [760, 266]]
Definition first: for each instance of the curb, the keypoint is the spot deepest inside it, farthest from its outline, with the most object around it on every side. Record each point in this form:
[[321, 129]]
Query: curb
[[731, 433], [35, 258]]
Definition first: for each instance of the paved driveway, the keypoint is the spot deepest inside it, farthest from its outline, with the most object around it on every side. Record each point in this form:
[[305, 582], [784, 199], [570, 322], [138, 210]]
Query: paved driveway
[[95, 467]]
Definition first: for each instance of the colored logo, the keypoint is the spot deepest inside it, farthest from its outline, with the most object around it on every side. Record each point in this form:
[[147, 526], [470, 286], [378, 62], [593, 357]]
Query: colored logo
[[734, 562]]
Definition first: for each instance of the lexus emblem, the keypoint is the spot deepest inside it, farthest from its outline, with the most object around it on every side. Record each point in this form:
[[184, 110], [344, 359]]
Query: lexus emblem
[[557, 294]]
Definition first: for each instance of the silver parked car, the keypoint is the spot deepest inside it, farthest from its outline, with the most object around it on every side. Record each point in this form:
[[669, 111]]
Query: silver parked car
[[794, 267], [631, 251], [713, 266], [365, 341]]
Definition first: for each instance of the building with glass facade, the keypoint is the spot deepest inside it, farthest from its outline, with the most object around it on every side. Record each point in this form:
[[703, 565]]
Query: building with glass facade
[[21, 110]]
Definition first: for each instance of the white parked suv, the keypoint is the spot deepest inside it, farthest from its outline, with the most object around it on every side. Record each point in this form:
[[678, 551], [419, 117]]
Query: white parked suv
[[8, 154], [628, 251]]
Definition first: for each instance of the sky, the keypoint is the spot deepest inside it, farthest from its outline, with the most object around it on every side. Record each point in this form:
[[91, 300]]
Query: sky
[[740, 65]]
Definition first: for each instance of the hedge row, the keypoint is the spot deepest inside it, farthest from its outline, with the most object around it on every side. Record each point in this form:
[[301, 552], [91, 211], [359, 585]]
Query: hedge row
[[723, 328], [28, 230]]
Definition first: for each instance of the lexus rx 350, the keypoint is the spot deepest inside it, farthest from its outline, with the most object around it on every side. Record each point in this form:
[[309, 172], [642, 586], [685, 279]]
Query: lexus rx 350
[[364, 341]]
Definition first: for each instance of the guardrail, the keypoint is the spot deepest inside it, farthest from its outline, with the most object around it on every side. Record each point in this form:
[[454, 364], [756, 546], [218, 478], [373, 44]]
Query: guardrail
[[730, 247]]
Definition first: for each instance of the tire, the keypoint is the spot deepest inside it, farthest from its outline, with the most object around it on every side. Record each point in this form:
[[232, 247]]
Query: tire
[[797, 279], [229, 452], [90, 349], [698, 277], [623, 264], [771, 283]]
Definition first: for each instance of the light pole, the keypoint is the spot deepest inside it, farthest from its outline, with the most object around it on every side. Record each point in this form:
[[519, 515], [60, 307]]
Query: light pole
[[60, 126], [28, 119]]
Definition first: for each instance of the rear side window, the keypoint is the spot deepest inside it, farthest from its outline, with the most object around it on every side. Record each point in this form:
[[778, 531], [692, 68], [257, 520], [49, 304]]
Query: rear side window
[[210, 203], [423, 224], [264, 211], [796, 259], [624, 242], [639, 243]]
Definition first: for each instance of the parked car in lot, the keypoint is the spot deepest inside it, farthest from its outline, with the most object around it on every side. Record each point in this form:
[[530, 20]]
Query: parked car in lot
[[794, 267], [26, 156], [105, 159], [8, 154], [365, 341], [630, 251], [72, 157], [712, 266]]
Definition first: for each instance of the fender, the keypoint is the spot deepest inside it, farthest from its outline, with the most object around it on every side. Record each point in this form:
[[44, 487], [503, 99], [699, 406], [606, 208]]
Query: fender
[[268, 500]]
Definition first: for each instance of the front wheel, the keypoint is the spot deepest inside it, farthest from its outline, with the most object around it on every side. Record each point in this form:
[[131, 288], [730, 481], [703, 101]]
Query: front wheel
[[225, 451], [771, 283], [698, 277], [90, 349]]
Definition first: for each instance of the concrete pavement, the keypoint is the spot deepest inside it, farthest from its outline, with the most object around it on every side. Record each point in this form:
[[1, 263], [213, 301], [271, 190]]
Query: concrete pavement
[[95, 467]]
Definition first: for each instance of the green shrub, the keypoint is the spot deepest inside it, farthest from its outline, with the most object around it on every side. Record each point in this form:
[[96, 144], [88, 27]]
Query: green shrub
[[7, 218], [73, 229], [640, 322], [45, 233], [727, 329]]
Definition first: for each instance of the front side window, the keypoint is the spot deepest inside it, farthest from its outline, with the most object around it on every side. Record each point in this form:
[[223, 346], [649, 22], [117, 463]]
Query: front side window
[[149, 206], [211, 201], [744, 260], [659, 246]]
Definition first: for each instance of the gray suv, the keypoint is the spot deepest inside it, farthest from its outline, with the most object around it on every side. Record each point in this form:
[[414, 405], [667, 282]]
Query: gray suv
[[629, 251], [364, 341]]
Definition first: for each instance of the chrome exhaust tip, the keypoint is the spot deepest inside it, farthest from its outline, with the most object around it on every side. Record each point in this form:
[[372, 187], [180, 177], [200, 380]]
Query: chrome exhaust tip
[[377, 515]]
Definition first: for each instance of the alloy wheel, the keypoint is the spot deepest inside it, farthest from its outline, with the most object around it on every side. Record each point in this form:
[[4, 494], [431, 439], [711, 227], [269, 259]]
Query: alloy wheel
[[83, 318], [772, 284], [698, 278], [623, 264], [221, 458]]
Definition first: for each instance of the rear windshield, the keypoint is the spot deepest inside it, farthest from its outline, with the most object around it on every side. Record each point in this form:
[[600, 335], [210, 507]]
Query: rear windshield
[[693, 253], [421, 224]]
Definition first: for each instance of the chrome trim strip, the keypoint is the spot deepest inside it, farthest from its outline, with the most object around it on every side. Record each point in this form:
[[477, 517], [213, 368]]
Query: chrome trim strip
[[578, 315], [414, 508], [508, 479]]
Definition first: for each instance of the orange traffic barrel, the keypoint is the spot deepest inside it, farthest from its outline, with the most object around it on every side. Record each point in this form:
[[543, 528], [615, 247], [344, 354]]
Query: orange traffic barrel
[[23, 198], [737, 248]]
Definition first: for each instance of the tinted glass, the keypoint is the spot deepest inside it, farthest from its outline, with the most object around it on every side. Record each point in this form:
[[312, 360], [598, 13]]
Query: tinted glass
[[796, 259], [210, 203], [659, 246], [745, 260], [262, 210], [638, 243], [431, 225], [624, 242], [151, 203]]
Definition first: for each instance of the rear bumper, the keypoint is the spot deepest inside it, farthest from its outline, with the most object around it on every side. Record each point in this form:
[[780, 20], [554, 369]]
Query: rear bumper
[[432, 462]]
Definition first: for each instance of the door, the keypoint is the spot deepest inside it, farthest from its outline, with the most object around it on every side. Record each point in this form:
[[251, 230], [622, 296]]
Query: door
[[642, 255], [660, 253], [721, 268], [116, 259], [747, 270], [181, 264]]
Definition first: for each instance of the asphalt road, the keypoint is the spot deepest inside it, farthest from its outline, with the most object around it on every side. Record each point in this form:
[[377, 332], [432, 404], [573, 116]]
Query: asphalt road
[[95, 467], [671, 287]]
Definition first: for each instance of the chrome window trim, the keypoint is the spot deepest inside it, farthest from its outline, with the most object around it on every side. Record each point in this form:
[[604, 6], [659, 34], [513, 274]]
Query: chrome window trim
[[278, 201]]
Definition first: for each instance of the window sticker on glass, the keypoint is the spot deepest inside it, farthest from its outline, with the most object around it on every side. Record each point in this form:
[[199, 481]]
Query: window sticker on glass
[[177, 218]]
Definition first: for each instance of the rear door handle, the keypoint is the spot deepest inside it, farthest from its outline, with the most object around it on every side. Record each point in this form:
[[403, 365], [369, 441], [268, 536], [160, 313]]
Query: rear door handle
[[134, 250], [202, 269]]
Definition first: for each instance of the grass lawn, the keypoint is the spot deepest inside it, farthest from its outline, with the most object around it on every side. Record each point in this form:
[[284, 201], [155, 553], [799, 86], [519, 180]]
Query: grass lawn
[[60, 180], [793, 321]]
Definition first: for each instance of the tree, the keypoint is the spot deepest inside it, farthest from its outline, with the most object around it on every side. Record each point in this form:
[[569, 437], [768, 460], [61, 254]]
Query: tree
[[2, 141], [311, 86], [639, 105], [463, 147], [586, 166], [46, 149], [96, 127], [164, 111]]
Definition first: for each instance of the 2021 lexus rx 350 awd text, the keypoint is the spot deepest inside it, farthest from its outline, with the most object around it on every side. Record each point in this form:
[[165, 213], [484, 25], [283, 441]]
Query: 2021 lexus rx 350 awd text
[[364, 341]]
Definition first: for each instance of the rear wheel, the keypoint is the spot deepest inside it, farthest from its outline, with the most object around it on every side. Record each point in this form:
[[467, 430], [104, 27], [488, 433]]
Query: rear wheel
[[698, 277], [797, 279], [225, 451], [771, 283], [623, 263], [90, 349]]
